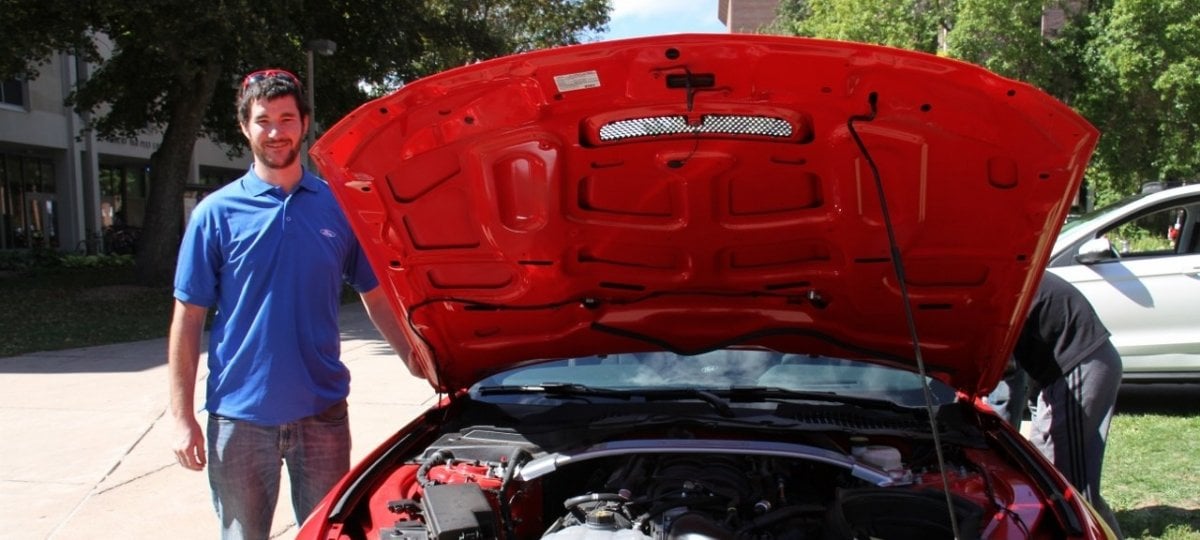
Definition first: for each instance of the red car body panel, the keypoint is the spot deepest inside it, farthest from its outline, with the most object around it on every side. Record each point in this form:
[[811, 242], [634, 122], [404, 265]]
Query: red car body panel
[[692, 193], [510, 225]]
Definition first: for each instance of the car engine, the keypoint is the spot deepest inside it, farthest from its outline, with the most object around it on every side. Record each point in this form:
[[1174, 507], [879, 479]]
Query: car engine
[[465, 487]]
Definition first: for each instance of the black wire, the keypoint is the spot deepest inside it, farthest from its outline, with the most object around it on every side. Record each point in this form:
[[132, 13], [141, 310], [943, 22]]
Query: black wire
[[690, 98], [898, 267], [437, 458], [989, 490], [516, 458]]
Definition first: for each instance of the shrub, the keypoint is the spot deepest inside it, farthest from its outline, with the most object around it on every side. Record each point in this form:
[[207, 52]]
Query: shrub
[[96, 261], [32, 260]]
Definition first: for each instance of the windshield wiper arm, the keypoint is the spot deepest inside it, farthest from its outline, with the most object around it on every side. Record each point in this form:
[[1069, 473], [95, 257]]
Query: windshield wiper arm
[[555, 389], [710, 398], [574, 389], [744, 392]]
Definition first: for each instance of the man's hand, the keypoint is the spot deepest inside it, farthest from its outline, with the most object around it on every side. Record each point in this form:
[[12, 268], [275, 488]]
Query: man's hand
[[183, 357], [189, 444]]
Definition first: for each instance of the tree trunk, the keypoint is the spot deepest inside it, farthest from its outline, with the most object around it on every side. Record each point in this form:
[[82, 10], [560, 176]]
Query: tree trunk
[[169, 167]]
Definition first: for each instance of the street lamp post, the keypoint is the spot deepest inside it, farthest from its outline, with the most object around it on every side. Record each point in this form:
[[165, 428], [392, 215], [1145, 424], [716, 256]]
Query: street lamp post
[[323, 47]]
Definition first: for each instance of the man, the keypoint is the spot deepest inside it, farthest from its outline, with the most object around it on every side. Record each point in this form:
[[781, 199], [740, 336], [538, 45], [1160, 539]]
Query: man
[[1068, 362], [270, 251]]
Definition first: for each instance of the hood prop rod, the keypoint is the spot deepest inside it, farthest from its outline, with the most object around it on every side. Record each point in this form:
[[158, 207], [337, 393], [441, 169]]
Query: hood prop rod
[[898, 267]]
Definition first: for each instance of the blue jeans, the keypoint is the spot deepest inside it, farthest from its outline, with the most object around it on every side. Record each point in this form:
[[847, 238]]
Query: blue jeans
[[244, 461]]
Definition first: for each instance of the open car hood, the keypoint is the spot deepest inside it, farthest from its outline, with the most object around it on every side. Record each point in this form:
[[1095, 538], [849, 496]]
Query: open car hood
[[689, 192]]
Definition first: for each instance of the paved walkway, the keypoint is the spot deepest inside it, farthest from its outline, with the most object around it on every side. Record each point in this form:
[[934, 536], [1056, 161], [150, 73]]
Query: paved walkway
[[84, 441]]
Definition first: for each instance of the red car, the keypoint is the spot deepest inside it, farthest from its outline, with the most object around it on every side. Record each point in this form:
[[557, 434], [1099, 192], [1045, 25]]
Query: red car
[[708, 286]]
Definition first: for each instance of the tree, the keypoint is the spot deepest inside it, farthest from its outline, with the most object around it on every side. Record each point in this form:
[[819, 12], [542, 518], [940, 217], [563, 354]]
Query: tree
[[1004, 36], [1144, 93], [907, 24], [174, 65]]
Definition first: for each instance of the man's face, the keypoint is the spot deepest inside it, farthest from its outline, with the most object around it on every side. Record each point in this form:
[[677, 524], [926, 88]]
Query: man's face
[[275, 131]]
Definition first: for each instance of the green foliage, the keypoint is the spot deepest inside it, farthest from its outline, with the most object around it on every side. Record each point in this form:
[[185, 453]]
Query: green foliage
[[97, 261], [24, 260], [41, 259], [1141, 241], [27, 47], [909, 24], [175, 65], [1144, 92], [162, 46], [1005, 37]]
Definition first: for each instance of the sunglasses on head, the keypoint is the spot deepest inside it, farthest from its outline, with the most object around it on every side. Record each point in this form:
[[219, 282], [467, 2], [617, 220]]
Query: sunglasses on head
[[264, 74]]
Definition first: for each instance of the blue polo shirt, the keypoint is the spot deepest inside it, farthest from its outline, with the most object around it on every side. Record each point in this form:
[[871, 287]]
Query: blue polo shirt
[[273, 265]]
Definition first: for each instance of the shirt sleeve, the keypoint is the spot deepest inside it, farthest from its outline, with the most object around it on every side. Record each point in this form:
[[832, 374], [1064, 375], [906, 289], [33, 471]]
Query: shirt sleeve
[[358, 270], [199, 263]]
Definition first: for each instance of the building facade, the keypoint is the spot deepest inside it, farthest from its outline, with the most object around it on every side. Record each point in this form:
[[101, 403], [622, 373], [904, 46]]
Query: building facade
[[61, 187], [746, 16]]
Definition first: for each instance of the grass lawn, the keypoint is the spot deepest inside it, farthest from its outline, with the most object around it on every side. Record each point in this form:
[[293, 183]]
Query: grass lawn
[[1152, 464], [1151, 470], [63, 308]]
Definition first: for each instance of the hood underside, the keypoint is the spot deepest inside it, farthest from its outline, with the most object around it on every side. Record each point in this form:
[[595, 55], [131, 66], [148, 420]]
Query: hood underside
[[690, 192]]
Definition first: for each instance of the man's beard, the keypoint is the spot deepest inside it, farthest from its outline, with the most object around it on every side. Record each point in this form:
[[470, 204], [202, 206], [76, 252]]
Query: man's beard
[[261, 154]]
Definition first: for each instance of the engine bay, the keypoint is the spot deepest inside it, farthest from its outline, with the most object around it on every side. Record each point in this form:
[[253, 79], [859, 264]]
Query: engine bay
[[491, 483]]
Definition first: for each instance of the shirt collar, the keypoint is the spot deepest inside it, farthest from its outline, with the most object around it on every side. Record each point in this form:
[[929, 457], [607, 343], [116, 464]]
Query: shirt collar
[[257, 186]]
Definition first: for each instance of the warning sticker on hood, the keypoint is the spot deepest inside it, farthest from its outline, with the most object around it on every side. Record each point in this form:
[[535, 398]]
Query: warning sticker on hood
[[577, 81]]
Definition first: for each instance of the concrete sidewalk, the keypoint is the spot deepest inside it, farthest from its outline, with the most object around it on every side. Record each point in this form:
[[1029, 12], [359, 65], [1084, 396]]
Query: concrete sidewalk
[[85, 449]]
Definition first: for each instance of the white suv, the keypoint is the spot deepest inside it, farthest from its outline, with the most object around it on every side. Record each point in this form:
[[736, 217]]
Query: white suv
[[1138, 262]]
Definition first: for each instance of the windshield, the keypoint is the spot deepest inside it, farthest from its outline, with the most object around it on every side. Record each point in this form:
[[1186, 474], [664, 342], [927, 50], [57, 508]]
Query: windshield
[[723, 370], [1099, 212]]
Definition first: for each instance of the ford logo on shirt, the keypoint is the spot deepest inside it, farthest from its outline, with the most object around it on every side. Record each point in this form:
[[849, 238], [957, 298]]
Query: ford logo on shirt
[[328, 233]]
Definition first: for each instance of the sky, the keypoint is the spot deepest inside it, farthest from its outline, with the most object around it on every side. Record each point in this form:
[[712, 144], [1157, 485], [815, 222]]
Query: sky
[[636, 18]]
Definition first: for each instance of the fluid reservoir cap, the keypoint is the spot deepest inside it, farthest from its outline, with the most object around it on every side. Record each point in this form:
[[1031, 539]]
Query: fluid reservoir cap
[[601, 518], [858, 444], [884, 457]]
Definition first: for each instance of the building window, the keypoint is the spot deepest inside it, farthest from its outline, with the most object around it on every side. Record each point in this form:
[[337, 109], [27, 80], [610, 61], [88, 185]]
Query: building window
[[211, 178], [27, 202], [122, 195], [122, 205], [12, 92]]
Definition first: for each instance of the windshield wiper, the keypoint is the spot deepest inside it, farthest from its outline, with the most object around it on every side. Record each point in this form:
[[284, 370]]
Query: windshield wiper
[[554, 389], [575, 389], [711, 398], [775, 392]]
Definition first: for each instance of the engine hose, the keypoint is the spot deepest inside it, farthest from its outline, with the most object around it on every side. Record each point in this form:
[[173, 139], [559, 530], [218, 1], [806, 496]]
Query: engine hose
[[662, 505], [515, 458], [590, 497], [437, 458], [577, 500]]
